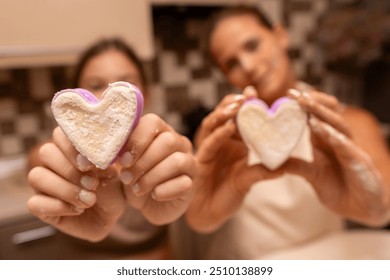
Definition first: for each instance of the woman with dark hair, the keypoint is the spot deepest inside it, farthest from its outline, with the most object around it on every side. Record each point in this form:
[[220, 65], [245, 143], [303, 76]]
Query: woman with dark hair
[[106, 61], [86, 202], [245, 212], [118, 46]]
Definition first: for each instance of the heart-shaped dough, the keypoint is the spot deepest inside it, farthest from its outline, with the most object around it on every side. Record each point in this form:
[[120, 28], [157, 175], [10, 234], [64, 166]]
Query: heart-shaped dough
[[272, 134], [98, 129]]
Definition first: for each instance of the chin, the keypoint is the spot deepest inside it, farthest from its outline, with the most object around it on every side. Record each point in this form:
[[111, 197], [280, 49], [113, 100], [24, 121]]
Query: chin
[[270, 94]]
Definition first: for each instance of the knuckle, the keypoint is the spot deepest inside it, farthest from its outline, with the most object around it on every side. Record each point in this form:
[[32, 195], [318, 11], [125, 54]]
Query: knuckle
[[45, 151], [169, 140], [333, 100], [33, 206], [153, 118], [186, 183], [205, 121], [34, 175], [56, 134], [186, 143], [180, 160]]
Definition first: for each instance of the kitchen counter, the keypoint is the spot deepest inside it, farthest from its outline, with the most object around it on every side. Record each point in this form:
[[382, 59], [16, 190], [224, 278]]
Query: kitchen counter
[[14, 190], [23, 236]]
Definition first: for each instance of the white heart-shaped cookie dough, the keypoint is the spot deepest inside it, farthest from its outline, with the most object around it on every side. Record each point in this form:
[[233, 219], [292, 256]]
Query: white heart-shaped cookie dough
[[274, 134], [98, 128]]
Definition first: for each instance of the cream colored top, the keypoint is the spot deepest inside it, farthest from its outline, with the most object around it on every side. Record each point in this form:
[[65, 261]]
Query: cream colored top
[[275, 214]]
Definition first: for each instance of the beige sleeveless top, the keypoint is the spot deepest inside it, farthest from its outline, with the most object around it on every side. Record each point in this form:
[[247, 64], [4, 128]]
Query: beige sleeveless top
[[275, 214]]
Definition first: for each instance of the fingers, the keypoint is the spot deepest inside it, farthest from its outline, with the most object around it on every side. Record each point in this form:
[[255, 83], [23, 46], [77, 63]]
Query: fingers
[[53, 158], [156, 161], [225, 110], [163, 146], [149, 128], [75, 158], [345, 150], [212, 144], [47, 183], [178, 187], [250, 92], [46, 208], [62, 141], [323, 106], [165, 173]]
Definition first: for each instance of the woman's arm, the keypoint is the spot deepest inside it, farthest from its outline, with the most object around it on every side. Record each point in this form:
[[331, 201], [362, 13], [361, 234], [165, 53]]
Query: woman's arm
[[351, 166]]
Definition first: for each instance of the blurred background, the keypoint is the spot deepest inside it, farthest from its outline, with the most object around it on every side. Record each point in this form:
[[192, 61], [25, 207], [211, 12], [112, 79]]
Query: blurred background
[[340, 46]]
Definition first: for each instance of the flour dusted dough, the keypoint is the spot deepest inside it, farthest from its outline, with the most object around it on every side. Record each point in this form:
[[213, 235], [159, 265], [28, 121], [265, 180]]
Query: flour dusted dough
[[98, 129], [273, 135]]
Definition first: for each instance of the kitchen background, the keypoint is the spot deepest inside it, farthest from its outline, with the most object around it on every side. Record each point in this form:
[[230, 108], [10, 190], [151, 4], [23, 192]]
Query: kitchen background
[[336, 45], [181, 79]]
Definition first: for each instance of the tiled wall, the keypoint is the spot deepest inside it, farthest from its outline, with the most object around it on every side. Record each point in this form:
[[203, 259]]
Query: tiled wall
[[24, 116], [183, 84]]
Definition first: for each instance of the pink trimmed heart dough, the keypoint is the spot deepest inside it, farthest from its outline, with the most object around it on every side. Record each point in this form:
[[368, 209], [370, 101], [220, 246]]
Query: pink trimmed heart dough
[[271, 133], [97, 128]]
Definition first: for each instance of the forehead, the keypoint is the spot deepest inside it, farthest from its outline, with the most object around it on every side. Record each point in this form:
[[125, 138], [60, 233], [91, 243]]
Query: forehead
[[235, 29], [111, 60]]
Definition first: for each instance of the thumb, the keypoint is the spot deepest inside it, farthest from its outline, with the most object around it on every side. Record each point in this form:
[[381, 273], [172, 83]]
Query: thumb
[[248, 175], [299, 167]]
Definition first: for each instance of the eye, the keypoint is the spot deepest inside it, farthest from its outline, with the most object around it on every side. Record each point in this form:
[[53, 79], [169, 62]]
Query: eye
[[96, 87], [252, 44], [230, 64]]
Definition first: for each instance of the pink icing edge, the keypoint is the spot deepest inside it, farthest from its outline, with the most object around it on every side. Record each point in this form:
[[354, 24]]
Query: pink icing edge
[[139, 110], [85, 94], [270, 109]]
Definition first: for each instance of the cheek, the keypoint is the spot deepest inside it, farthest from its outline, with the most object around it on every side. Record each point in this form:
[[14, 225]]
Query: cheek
[[98, 93], [237, 78]]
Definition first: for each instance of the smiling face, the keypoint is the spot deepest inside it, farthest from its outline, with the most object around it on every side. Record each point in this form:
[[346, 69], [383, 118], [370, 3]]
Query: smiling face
[[108, 67], [250, 54]]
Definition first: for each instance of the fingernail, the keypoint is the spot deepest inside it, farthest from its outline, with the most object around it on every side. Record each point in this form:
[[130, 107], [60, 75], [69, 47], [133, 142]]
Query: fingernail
[[83, 163], [334, 135], [238, 97], [87, 197], [314, 124], [126, 177], [229, 121], [306, 95], [136, 188], [294, 92], [250, 91], [89, 182], [228, 109], [78, 209], [313, 121], [126, 159]]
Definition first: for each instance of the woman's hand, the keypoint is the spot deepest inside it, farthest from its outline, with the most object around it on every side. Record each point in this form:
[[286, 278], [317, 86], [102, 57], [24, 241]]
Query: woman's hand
[[157, 171], [223, 178], [73, 196], [351, 160]]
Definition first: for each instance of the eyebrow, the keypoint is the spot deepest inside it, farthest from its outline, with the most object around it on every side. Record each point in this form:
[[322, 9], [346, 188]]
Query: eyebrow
[[251, 40]]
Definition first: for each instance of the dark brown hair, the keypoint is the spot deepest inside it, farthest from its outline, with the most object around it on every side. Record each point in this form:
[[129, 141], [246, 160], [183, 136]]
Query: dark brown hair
[[224, 13], [101, 47]]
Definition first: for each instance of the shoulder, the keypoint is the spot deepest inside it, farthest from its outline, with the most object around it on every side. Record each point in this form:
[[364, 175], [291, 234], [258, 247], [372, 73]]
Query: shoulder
[[363, 124], [359, 116]]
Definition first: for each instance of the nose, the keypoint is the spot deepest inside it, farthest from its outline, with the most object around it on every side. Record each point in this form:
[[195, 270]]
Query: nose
[[248, 64], [253, 67]]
